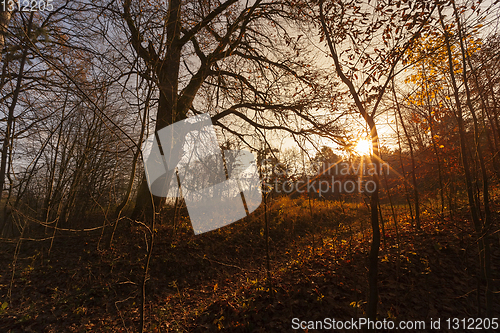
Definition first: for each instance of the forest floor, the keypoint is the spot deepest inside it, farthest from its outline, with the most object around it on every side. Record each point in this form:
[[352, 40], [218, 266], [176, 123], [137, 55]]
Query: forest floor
[[218, 281]]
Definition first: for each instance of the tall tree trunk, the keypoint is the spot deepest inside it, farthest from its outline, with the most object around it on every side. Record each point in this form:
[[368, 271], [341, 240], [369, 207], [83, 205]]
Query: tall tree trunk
[[374, 158], [375, 246], [9, 135], [126, 198], [167, 74], [485, 230], [495, 104], [412, 156], [461, 128], [462, 133], [433, 139], [407, 192]]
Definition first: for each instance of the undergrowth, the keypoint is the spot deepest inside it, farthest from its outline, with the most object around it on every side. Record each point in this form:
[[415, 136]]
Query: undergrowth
[[218, 281]]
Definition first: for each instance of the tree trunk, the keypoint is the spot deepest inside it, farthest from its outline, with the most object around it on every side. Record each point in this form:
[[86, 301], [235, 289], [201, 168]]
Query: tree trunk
[[485, 230], [374, 158], [433, 140], [167, 74], [375, 246], [413, 171], [9, 135], [461, 128]]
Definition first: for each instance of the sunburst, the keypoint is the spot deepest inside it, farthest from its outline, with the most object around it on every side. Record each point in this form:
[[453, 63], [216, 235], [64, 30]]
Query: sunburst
[[363, 147]]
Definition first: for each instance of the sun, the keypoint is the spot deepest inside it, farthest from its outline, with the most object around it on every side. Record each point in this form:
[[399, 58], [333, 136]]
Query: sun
[[363, 147]]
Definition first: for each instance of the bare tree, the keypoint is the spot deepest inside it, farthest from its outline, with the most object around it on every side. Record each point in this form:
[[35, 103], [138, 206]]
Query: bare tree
[[365, 64], [238, 56]]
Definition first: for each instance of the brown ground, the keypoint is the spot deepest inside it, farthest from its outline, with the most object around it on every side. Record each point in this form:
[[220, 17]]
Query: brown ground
[[217, 281]]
